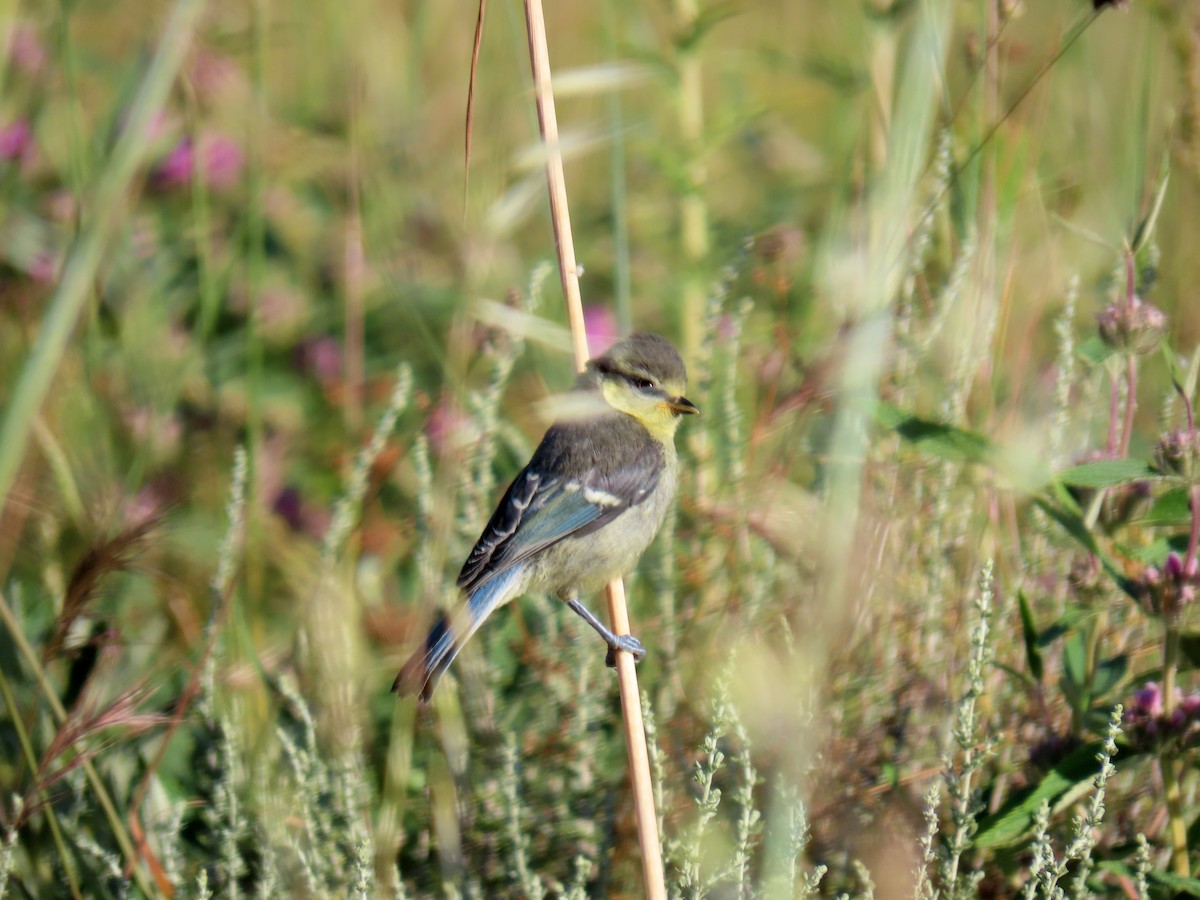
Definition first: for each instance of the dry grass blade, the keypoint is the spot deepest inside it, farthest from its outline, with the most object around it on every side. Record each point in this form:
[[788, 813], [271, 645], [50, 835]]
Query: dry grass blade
[[653, 878], [83, 725], [117, 554], [478, 42]]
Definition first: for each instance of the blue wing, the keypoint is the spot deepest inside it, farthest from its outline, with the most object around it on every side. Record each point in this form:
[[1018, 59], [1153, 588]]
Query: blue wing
[[545, 504], [582, 476]]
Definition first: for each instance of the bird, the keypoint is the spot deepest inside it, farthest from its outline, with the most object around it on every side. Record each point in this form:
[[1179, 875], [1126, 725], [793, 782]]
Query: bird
[[584, 508]]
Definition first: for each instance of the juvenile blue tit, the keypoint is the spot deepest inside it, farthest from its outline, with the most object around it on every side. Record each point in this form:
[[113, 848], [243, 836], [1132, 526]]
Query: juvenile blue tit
[[583, 509]]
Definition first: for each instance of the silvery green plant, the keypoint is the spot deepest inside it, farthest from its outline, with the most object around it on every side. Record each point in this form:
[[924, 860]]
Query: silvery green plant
[[972, 749]]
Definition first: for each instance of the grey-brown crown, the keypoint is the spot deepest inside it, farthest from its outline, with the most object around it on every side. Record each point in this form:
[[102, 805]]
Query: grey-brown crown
[[644, 354]]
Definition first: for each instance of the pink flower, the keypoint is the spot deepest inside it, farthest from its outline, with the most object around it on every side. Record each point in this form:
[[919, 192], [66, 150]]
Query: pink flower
[[320, 357], [211, 74], [175, 169], [1190, 706], [1147, 701], [447, 427], [601, 327], [221, 161], [43, 267], [26, 51], [16, 142]]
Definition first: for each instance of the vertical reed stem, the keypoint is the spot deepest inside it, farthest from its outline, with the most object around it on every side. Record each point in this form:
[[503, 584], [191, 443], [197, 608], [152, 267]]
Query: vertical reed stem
[[635, 733]]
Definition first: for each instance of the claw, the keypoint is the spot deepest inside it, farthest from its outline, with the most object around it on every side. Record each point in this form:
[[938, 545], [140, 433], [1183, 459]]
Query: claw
[[629, 644]]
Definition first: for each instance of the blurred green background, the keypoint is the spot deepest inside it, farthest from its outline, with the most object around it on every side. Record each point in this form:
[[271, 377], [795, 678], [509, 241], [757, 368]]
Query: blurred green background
[[827, 206]]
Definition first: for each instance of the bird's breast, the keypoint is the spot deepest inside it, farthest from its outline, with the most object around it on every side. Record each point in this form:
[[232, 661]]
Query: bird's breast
[[587, 562]]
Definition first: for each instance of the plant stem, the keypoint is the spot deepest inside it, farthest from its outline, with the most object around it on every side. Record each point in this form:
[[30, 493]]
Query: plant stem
[[31, 761], [1130, 404], [1166, 759], [635, 733], [693, 211], [119, 832], [1114, 413], [1189, 559]]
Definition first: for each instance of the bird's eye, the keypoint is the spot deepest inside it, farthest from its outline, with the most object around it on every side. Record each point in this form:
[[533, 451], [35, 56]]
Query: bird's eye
[[643, 384]]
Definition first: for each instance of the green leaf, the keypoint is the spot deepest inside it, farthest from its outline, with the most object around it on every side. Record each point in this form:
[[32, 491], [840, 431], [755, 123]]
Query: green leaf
[[1178, 378], [1109, 674], [1189, 646], [1066, 514], [1069, 779], [1033, 655], [1176, 883], [1106, 473], [1075, 660], [1072, 617], [1145, 228], [708, 19], [936, 438], [1094, 351], [1169, 508]]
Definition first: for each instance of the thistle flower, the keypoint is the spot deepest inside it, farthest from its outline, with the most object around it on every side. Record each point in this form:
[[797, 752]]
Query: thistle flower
[[1146, 724], [1177, 452], [1133, 326], [1167, 590]]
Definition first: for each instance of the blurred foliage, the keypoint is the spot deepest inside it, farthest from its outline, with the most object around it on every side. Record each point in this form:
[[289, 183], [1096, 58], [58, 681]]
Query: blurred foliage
[[915, 214]]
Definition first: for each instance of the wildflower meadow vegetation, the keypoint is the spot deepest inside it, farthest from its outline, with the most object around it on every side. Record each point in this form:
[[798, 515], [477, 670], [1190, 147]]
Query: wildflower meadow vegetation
[[923, 623]]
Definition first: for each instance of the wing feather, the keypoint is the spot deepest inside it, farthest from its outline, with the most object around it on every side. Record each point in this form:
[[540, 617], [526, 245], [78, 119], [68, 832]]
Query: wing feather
[[545, 504]]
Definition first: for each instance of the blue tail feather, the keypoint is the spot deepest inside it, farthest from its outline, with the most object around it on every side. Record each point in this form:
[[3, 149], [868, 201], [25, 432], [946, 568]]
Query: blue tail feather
[[421, 673]]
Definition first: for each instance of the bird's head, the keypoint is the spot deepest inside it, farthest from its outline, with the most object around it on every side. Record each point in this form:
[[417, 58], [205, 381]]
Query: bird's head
[[645, 377]]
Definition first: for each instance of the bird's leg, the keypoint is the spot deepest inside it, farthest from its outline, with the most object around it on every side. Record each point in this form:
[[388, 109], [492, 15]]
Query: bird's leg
[[626, 642]]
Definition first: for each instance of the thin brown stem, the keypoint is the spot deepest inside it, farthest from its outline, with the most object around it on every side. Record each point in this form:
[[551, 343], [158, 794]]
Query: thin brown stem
[[1114, 415], [95, 782], [1130, 404], [631, 704], [1177, 826], [1130, 361], [1189, 560]]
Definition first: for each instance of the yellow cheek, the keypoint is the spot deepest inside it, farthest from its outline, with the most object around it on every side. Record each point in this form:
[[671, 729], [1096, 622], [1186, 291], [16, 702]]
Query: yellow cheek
[[617, 398]]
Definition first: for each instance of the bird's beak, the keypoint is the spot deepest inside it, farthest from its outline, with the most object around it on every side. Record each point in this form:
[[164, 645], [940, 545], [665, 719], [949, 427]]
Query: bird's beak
[[683, 406]]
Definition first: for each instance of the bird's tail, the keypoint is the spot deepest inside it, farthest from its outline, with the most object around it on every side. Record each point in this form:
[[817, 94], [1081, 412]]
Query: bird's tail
[[420, 674]]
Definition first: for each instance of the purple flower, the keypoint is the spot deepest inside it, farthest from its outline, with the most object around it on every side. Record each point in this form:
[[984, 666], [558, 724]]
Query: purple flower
[[320, 357], [1147, 701], [221, 161], [289, 506], [300, 516], [175, 169], [16, 142]]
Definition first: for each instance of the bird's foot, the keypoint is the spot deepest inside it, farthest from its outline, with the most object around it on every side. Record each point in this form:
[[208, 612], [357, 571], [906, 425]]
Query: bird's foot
[[629, 644]]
